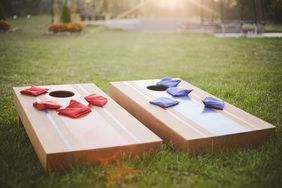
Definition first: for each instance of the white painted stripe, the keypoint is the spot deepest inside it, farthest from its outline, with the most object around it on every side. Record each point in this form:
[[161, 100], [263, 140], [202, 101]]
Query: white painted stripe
[[167, 110], [121, 125], [113, 117], [209, 119], [55, 126], [126, 83], [226, 112]]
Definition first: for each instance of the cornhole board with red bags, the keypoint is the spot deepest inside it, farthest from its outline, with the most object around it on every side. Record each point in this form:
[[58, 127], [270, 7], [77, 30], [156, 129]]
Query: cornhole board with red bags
[[105, 134], [189, 126]]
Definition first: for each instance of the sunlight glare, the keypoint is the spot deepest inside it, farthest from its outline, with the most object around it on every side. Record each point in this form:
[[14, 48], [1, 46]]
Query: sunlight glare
[[170, 4]]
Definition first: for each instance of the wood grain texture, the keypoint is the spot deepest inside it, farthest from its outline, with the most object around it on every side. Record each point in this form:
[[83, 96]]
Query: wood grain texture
[[186, 134], [102, 136], [30, 131]]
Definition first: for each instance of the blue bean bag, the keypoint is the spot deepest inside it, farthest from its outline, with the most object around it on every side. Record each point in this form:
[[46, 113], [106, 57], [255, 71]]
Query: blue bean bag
[[168, 82], [178, 92], [212, 102], [164, 102]]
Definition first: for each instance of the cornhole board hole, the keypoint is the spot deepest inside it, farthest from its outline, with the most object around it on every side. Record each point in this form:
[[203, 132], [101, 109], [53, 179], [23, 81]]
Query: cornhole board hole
[[106, 134], [189, 126]]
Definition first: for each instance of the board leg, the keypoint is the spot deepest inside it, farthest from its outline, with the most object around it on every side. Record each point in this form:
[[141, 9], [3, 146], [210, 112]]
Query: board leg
[[19, 121]]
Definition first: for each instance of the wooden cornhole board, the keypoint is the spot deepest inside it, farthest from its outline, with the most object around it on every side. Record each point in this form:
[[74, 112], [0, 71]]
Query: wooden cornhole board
[[189, 126], [105, 134]]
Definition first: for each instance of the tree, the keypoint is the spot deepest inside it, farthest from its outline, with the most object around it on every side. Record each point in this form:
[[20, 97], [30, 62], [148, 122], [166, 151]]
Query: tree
[[271, 9], [66, 14], [275, 10], [2, 13], [107, 8]]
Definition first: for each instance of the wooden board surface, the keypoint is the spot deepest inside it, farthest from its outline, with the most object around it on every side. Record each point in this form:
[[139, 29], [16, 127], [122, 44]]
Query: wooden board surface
[[101, 136], [189, 125]]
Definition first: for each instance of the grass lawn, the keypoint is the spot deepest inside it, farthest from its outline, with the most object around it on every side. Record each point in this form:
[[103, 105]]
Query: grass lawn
[[245, 72]]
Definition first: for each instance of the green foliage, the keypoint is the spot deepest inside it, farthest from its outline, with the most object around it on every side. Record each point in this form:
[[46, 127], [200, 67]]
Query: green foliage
[[5, 8], [275, 10], [246, 72], [2, 13], [272, 9], [66, 14], [107, 5], [57, 11], [107, 8]]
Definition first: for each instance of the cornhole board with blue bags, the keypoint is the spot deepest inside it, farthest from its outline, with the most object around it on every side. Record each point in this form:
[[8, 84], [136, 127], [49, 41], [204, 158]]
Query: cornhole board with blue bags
[[190, 125], [105, 134]]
